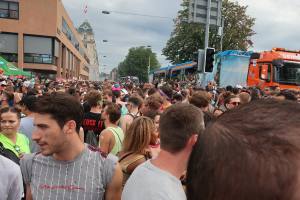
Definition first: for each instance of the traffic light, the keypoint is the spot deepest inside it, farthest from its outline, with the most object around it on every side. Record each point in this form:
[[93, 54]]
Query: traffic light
[[198, 57], [209, 59]]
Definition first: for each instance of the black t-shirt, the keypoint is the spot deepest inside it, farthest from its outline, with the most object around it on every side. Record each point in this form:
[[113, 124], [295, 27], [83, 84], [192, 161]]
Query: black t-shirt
[[92, 122]]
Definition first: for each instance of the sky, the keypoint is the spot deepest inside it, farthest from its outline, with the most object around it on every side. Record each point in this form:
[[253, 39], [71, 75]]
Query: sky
[[276, 25]]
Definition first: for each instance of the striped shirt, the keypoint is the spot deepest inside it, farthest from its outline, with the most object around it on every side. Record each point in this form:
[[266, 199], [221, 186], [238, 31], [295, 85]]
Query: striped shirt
[[86, 177]]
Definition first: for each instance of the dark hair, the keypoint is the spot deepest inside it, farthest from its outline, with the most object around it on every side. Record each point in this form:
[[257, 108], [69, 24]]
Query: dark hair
[[177, 97], [151, 114], [114, 112], [28, 101], [62, 107], [177, 124], [116, 93], [71, 90], [249, 153], [229, 88], [288, 95], [135, 100], [166, 91], [11, 109]]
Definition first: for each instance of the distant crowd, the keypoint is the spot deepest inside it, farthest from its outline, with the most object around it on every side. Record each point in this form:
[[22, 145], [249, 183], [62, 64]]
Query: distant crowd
[[167, 140]]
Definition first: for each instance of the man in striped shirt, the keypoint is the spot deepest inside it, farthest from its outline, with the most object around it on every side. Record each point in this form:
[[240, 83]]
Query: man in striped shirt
[[66, 168]]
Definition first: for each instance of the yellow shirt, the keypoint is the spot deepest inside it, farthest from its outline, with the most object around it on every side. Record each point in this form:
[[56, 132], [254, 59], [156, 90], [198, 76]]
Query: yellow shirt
[[20, 147]]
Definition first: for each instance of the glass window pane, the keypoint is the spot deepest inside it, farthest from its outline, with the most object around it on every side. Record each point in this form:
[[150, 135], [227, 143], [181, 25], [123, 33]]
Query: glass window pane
[[3, 5], [13, 6], [3, 13], [13, 14]]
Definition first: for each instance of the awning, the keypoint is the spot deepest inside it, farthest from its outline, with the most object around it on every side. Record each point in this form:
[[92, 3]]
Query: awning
[[9, 69]]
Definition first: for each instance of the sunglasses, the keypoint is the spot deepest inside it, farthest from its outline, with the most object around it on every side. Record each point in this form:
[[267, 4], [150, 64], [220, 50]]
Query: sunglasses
[[235, 103]]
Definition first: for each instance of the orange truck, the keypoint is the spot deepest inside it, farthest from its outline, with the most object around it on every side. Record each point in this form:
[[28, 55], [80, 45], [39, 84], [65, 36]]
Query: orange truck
[[278, 67]]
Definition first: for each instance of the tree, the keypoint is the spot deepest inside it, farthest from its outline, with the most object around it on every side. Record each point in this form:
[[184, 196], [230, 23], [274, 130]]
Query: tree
[[187, 38], [137, 61]]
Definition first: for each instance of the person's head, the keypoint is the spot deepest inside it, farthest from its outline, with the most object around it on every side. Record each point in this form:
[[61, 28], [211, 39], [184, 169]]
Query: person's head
[[134, 103], [177, 98], [155, 116], [93, 98], [27, 103], [138, 135], [166, 92], [57, 120], [232, 101], [10, 120], [107, 95], [153, 102], [152, 91], [229, 88], [180, 126], [249, 153], [112, 113], [244, 97], [287, 95], [267, 91], [200, 100], [7, 98]]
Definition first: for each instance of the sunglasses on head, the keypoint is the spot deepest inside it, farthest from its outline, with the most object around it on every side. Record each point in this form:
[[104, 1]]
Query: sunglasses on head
[[235, 103]]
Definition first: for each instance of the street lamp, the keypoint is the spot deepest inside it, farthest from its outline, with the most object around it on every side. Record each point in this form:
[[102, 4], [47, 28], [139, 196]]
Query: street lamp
[[105, 12]]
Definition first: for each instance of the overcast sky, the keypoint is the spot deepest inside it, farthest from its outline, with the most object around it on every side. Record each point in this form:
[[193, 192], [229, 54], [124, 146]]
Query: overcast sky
[[276, 25]]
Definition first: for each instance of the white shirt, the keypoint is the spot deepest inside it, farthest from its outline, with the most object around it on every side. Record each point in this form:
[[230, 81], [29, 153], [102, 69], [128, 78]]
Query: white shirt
[[149, 182], [11, 184]]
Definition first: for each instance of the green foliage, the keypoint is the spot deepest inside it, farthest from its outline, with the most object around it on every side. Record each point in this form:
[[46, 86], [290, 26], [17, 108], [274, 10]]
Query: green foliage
[[187, 38], [136, 63]]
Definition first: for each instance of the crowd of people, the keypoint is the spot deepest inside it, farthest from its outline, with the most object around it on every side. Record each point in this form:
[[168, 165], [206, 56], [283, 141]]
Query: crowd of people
[[112, 140]]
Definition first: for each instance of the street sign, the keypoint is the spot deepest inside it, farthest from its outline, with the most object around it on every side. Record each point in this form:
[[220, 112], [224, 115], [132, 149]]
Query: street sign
[[198, 12]]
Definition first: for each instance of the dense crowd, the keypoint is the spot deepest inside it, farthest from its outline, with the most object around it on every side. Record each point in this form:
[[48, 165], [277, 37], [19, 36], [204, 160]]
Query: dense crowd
[[169, 140]]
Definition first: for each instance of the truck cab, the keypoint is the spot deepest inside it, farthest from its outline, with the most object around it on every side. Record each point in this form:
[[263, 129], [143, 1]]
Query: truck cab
[[278, 67]]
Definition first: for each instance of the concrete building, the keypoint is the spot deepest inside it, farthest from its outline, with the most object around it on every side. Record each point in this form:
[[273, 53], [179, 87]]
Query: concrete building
[[87, 36], [114, 74], [39, 36]]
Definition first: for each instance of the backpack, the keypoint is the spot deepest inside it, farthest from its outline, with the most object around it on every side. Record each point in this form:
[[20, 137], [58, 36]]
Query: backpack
[[91, 138], [9, 154]]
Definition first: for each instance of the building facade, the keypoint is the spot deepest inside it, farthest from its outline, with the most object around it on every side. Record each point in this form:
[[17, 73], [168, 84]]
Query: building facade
[[87, 36], [114, 74], [39, 36]]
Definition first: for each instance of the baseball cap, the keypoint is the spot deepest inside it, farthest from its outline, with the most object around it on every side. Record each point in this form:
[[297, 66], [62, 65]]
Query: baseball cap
[[116, 87]]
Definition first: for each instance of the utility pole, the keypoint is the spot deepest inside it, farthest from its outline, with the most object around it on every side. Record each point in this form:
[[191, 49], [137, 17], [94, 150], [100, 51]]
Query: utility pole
[[149, 65]]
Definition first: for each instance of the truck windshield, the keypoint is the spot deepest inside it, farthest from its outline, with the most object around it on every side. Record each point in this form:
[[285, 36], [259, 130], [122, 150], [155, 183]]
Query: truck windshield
[[288, 74]]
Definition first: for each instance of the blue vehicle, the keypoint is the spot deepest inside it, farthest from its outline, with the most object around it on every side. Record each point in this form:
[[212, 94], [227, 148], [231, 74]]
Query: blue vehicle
[[175, 72]]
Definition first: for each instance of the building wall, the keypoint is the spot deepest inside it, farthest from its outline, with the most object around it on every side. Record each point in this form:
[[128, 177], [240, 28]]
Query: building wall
[[45, 18], [87, 36]]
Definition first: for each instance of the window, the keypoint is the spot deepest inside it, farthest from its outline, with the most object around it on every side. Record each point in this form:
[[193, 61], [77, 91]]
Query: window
[[39, 50], [265, 72], [38, 58], [9, 10], [8, 45], [69, 34], [10, 57], [288, 74]]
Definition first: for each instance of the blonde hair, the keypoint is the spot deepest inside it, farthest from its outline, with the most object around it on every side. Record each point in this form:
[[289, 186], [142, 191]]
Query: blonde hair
[[138, 135]]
